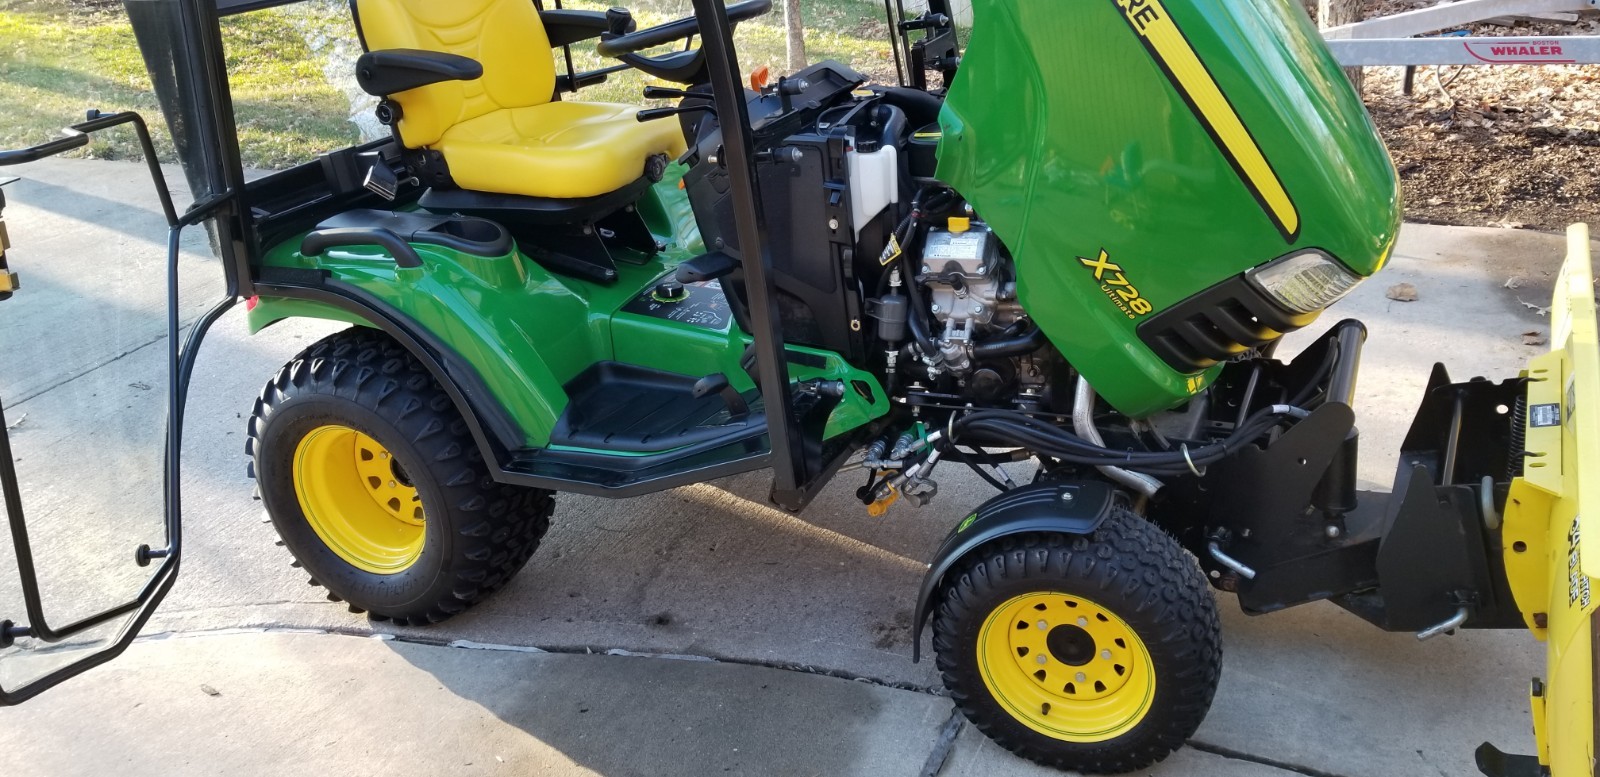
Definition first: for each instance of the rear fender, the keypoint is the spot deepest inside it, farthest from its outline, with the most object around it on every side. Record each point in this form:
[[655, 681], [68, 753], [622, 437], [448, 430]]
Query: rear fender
[[492, 427], [266, 311], [1075, 508]]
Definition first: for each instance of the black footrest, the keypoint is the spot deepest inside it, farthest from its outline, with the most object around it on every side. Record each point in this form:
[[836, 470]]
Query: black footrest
[[627, 409]]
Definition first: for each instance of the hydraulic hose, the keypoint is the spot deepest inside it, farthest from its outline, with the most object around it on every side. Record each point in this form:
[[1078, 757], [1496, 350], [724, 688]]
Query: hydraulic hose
[[1011, 428]]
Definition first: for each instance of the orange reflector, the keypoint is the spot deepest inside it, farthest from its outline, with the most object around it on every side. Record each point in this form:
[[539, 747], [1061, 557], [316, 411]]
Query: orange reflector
[[760, 77]]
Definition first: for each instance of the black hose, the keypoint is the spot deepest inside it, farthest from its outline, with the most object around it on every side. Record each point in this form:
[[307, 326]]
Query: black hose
[[1004, 348], [921, 108], [973, 465], [1008, 427], [928, 200], [894, 123], [920, 330], [1324, 371]]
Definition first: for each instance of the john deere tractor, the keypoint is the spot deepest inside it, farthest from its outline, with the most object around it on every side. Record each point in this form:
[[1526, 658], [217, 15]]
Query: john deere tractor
[[1077, 239]]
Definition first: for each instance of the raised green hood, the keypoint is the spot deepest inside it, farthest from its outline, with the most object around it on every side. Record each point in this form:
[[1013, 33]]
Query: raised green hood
[[1190, 140]]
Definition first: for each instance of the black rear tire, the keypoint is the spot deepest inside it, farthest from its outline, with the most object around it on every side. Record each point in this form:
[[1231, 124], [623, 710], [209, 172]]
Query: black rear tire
[[476, 534], [1128, 569]]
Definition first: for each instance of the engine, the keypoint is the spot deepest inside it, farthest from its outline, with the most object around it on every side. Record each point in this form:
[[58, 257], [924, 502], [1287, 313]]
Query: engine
[[871, 256], [980, 346], [971, 289]]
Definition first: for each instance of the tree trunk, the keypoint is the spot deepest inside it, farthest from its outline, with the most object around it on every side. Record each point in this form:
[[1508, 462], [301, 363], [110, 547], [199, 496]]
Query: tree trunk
[[1332, 13], [797, 35]]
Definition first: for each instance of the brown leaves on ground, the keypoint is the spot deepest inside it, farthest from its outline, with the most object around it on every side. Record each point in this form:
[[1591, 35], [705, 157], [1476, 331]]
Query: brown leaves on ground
[[1403, 292], [1512, 146]]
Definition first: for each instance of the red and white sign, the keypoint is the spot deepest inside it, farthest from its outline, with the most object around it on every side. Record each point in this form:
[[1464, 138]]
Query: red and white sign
[[1518, 52]]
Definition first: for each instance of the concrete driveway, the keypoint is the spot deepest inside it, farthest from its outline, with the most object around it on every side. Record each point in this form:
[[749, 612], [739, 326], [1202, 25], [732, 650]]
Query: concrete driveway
[[705, 571]]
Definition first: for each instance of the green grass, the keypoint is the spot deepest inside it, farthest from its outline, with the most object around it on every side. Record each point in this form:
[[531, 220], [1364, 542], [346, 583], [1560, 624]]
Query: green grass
[[62, 57], [59, 61]]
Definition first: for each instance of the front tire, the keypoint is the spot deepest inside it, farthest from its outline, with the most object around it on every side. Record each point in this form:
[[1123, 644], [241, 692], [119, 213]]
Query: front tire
[[1097, 654], [377, 488]]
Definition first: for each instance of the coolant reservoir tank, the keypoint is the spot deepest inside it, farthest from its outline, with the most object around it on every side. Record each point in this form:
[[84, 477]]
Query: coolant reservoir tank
[[874, 184]]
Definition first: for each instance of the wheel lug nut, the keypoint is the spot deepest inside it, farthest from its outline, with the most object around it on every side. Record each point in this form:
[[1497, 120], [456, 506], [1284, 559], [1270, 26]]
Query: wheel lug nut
[[391, 484], [1081, 677], [1043, 625], [383, 455], [1043, 660], [1106, 654], [1082, 621]]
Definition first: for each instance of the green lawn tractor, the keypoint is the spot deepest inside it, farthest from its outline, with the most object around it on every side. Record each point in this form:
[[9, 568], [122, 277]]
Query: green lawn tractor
[[1077, 239]]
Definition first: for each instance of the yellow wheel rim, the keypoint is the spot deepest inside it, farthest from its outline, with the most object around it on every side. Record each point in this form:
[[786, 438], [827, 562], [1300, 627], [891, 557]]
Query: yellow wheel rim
[[1066, 667], [358, 500]]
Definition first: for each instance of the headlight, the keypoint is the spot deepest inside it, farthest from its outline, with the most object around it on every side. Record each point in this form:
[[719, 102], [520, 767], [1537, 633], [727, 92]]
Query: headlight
[[1306, 282]]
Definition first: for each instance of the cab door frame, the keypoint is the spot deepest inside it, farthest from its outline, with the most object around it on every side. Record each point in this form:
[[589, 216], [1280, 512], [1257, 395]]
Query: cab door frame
[[180, 367]]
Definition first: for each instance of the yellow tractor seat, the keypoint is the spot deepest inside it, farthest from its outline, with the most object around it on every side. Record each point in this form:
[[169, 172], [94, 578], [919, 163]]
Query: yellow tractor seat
[[558, 150], [501, 131]]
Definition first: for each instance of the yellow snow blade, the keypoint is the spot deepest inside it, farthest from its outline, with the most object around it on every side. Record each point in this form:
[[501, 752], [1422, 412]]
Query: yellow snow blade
[[1552, 509]]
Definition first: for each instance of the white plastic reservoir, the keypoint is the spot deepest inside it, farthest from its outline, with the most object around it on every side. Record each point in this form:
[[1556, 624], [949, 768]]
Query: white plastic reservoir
[[874, 183]]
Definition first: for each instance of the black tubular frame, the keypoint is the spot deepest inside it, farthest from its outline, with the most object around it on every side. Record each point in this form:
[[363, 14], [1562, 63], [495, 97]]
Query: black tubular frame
[[180, 369], [221, 209], [738, 146]]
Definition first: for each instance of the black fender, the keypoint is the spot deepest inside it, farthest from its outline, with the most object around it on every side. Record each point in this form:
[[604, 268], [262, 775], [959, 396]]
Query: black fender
[[1069, 507]]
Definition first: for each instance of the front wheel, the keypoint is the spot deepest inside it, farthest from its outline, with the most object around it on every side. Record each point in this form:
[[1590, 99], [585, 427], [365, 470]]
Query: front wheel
[[1096, 654], [377, 488]]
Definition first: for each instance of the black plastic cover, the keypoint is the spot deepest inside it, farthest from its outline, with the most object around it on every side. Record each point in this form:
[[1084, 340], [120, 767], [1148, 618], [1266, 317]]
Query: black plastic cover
[[479, 237], [517, 209]]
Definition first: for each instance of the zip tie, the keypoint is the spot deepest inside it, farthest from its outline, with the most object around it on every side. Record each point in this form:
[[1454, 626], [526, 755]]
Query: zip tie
[[1199, 473]]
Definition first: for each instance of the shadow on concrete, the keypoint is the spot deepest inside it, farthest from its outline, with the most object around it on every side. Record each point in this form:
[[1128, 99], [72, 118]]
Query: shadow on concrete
[[633, 716]]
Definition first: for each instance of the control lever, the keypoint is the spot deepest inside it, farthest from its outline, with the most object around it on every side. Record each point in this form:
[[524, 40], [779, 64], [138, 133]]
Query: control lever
[[706, 267], [651, 114], [381, 178], [653, 92], [738, 409], [619, 21]]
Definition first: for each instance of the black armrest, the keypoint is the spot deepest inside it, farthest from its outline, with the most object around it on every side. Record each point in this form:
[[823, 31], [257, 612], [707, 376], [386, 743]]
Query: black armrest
[[382, 73], [565, 26]]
